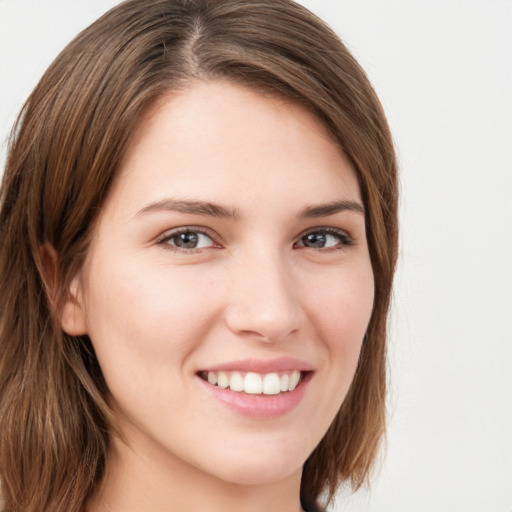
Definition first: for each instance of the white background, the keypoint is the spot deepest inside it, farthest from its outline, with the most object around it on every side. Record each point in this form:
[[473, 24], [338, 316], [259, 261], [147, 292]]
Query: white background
[[443, 70]]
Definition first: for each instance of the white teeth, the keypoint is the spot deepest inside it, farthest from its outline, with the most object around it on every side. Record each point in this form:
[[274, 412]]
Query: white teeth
[[222, 380], [254, 383], [294, 380], [285, 379], [271, 384], [236, 383]]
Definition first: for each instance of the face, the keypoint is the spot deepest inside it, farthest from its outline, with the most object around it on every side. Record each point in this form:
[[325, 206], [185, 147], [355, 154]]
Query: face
[[231, 253]]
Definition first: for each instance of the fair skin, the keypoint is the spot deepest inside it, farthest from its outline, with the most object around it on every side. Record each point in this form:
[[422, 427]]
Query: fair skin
[[233, 241]]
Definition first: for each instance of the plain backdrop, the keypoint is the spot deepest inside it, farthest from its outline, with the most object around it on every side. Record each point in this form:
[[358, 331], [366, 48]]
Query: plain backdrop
[[443, 70]]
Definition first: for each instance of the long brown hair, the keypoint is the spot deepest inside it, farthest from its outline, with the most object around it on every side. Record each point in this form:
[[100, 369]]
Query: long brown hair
[[64, 151]]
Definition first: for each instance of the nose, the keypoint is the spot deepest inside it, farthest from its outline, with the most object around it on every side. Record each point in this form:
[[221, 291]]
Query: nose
[[263, 301]]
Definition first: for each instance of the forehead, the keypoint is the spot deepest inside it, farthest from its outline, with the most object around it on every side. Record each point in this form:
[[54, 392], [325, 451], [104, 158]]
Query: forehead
[[230, 143]]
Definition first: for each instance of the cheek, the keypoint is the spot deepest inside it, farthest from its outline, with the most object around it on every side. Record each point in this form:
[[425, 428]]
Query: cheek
[[339, 308], [342, 305], [149, 320]]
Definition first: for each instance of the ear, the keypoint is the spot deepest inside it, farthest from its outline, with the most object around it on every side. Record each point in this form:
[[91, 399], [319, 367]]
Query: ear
[[71, 312], [73, 319]]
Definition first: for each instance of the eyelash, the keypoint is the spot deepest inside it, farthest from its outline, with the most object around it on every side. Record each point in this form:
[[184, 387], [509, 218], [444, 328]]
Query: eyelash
[[344, 239], [192, 230], [342, 236]]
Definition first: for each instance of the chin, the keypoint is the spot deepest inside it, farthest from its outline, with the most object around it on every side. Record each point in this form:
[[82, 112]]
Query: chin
[[264, 474], [265, 467]]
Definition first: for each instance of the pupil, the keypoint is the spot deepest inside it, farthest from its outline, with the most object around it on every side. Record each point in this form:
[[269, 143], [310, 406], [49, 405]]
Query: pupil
[[187, 240], [315, 240]]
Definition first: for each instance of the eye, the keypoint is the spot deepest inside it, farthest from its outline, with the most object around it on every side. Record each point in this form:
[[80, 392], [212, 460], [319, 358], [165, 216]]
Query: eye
[[187, 239], [325, 238]]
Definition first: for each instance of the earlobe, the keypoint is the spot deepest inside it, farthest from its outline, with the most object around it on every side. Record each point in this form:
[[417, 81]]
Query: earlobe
[[71, 312], [73, 318]]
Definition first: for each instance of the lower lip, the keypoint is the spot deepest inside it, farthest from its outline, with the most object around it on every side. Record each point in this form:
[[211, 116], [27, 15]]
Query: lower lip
[[259, 406]]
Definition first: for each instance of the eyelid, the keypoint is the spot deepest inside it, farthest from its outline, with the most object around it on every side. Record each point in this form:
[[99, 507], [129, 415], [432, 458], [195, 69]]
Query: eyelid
[[167, 235], [346, 240]]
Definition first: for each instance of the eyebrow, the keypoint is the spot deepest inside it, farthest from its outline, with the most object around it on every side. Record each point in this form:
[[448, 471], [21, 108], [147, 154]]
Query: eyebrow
[[324, 210], [191, 207], [215, 210]]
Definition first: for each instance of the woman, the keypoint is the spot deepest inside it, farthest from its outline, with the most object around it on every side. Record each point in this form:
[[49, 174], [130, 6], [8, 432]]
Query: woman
[[198, 238]]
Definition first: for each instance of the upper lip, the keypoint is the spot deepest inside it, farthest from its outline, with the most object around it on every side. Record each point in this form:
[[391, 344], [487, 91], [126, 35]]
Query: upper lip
[[263, 366]]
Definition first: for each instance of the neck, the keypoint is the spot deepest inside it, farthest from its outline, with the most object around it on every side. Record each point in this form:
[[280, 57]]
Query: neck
[[145, 482]]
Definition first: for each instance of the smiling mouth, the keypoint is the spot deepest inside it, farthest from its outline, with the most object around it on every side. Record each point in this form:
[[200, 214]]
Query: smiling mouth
[[253, 383]]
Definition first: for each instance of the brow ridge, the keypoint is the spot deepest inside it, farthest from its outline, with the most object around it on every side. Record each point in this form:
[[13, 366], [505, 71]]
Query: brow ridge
[[195, 207], [192, 207], [332, 208]]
